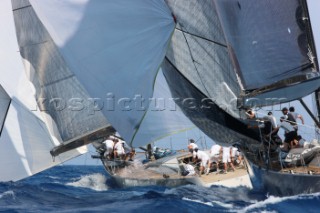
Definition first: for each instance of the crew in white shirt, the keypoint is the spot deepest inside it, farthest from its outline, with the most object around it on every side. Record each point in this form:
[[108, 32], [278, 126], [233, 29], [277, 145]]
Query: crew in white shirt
[[203, 157]]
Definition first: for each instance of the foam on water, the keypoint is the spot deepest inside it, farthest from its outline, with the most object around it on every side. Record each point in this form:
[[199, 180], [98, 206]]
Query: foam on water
[[7, 193], [224, 205], [95, 182], [275, 200], [198, 201], [40, 194]]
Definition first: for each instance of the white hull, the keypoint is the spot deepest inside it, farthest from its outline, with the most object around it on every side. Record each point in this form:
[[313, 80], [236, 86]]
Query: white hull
[[162, 175]]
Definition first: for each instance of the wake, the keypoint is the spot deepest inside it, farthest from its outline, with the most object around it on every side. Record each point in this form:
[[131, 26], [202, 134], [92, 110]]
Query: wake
[[95, 182]]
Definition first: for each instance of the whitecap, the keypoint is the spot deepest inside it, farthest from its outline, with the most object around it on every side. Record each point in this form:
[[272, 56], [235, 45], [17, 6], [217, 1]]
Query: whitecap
[[224, 205], [95, 182], [54, 177], [7, 193], [198, 201], [275, 200]]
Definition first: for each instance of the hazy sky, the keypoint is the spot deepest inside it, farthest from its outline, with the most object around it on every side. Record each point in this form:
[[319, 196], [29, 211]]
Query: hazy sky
[[180, 141]]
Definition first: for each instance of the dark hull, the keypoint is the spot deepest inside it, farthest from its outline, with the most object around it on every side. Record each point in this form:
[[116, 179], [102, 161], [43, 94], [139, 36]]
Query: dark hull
[[282, 184], [226, 130]]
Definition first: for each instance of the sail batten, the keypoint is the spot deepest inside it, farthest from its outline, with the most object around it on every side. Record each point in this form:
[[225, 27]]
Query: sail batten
[[283, 94]]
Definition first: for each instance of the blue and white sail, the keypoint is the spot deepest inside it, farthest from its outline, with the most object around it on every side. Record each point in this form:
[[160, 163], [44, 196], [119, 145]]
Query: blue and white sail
[[113, 48]]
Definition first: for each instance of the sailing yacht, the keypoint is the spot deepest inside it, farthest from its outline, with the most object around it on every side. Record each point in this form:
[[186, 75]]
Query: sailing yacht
[[235, 55], [63, 68], [74, 71], [165, 167]]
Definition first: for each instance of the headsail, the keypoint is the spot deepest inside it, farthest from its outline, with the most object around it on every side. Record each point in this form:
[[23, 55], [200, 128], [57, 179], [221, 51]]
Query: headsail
[[111, 47]]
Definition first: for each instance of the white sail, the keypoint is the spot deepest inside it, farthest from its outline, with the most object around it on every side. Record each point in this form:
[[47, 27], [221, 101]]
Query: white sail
[[25, 142], [97, 51], [114, 48], [164, 117]]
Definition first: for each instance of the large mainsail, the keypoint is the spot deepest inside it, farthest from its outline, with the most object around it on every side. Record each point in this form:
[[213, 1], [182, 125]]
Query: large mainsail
[[199, 51], [25, 141], [269, 39], [69, 110], [239, 54], [198, 66], [272, 48]]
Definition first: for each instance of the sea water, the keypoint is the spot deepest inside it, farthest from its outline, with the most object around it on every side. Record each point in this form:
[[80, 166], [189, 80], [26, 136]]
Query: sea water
[[89, 189]]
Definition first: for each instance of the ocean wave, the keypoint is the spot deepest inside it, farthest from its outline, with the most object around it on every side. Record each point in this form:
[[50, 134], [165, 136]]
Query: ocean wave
[[7, 193], [224, 205], [95, 182], [198, 201], [271, 200]]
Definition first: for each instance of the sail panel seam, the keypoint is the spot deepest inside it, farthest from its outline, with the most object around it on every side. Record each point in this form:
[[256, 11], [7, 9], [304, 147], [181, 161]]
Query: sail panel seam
[[20, 8], [215, 42]]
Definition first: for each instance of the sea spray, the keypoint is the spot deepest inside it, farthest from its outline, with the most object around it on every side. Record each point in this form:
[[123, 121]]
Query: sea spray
[[95, 182]]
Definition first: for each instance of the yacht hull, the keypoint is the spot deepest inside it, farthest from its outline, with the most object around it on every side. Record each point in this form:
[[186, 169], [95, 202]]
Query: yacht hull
[[165, 173], [281, 183]]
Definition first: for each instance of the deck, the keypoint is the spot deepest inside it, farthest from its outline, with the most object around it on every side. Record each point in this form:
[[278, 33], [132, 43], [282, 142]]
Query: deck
[[239, 177]]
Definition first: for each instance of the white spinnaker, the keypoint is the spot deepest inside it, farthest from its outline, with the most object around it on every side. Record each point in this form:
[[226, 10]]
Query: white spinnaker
[[163, 117], [25, 142], [113, 47]]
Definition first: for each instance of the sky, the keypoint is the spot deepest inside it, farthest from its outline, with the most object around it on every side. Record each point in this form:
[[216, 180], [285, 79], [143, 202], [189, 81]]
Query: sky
[[180, 141]]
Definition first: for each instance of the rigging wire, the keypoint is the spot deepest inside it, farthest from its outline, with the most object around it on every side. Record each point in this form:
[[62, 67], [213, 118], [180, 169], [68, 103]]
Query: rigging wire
[[194, 61], [215, 42]]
